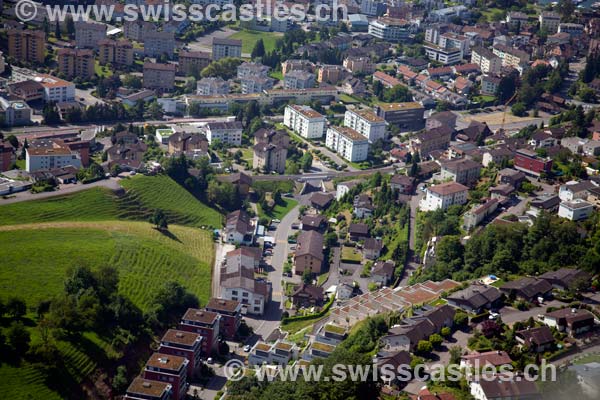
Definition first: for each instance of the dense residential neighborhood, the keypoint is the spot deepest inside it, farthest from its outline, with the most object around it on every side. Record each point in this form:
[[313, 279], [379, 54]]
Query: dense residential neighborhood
[[188, 205]]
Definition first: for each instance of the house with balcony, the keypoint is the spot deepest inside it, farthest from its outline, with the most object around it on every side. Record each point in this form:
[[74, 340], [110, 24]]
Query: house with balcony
[[183, 344], [231, 315], [168, 368], [146, 389], [279, 353], [572, 321], [206, 324]]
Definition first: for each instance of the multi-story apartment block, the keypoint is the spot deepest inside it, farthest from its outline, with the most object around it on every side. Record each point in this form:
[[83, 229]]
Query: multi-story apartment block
[[358, 65], [296, 65], [183, 344], [222, 48], [489, 84], [304, 121], [26, 45], [390, 29], [75, 62], [488, 62], [50, 155], [270, 151], [88, 34], [168, 368], [309, 253], [549, 21], [146, 389], [137, 30], [238, 284], [511, 57], [226, 132], [575, 30], [119, 52], [462, 170], [252, 70], [443, 55], [159, 77], [231, 315], [406, 116], [256, 85], [516, 19], [331, 73], [55, 89], [157, 43], [14, 112], [348, 143], [193, 62], [297, 79], [529, 162], [212, 86], [367, 123], [205, 323], [452, 40], [443, 196]]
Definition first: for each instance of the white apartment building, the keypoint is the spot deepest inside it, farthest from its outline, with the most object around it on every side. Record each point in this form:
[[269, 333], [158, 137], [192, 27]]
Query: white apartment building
[[280, 353], [389, 29], [226, 132], [488, 62], [367, 123], [451, 40], [444, 55], [443, 196], [51, 156], [575, 210], [348, 143], [89, 34], [56, 89], [304, 121], [249, 70], [549, 21], [222, 48]]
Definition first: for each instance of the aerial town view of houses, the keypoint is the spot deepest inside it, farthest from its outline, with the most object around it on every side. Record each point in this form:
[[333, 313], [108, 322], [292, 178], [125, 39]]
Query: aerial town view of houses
[[188, 204]]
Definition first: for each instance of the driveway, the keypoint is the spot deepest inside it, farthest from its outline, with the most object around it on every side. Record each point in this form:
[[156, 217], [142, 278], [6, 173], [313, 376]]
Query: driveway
[[111, 183], [511, 315], [270, 321]]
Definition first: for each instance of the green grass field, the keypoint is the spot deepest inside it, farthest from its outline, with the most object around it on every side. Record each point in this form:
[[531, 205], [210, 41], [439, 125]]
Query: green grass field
[[41, 254], [144, 195], [97, 227], [249, 39], [181, 207], [351, 255], [280, 210]]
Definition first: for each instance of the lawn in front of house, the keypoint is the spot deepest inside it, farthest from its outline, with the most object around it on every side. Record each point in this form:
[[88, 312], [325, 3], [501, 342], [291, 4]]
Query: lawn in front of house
[[351, 255]]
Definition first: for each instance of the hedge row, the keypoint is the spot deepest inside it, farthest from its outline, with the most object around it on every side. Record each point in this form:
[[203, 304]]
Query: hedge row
[[311, 316]]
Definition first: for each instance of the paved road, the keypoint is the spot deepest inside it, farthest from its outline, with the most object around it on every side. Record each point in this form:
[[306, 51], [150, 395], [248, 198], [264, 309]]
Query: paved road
[[112, 183], [411, 264], [323, 175], [37, 131], [272, 316]]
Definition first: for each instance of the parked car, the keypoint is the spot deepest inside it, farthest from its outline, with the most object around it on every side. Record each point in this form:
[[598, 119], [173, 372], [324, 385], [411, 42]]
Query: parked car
[[493, 315], [247, 348]]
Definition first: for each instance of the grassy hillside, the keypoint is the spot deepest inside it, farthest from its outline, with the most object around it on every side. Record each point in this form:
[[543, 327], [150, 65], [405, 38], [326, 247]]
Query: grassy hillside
[[97, 227], [143, 195], [144, 257], [162, 192]]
